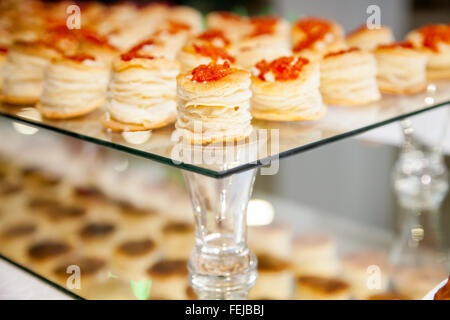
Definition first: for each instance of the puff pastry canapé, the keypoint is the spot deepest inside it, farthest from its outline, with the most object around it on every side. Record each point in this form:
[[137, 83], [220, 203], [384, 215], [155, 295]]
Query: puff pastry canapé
[[213, 104], [286, 89]]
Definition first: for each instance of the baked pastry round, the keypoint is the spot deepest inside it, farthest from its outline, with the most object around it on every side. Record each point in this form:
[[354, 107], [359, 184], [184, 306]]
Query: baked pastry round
[[286, 89], [169, 279], [139, 221], [274, 240], [234, 26], [187, 15], [62, 220], [191, 56], [213, 104], [215, 37], [73, 86], [402, 69], [416, 282], [178, 240], [98, 238], [132, 257], [92, 270], [348, 78], [435, 39], [369, 39], [173, 34], [358, 268], [92, 43], [142, 93], [275, 279], [44, 254], [314, 37], [24, 71], [321, 288], [15, 237], [315, 254]]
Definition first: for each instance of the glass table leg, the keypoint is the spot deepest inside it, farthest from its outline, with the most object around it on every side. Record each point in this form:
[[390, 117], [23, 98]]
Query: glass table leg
[[221, 265], [421, 183]]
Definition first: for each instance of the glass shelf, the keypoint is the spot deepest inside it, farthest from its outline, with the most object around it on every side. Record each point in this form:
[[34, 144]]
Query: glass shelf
[[283, 138]]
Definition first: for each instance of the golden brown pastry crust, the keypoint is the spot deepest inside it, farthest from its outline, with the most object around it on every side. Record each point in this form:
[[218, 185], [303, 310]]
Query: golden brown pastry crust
[[118, 126], [53, 113], [369, 39], [18, 100]]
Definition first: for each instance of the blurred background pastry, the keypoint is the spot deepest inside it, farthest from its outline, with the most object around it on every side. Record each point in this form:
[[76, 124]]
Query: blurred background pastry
[[348, 78], [169, 280], [133, 256], [15, 236], [44, 254], [24, 72], [274, 240], [234, 26], [367, 272], [286, 89], [178, 240], [268, 38], [275, 279], [415, 282], [369, 39], [402, 69], [191, 56], [321, 288], [435, 39], [314, 37], [98, 238], [139, 221], [90, 270], [73, 86], [315, 254]]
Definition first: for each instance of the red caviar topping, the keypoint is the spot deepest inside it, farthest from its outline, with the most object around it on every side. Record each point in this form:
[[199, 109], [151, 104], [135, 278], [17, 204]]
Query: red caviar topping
[[404, 45], [435, 34], [211, 72], [80, 57], [134, 53], [130, 55], [341, 52], [175, 27], [284, 68], [215, 53], [315, 29], [263, 25], [211, 35], [95, 38]]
